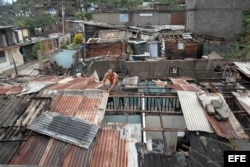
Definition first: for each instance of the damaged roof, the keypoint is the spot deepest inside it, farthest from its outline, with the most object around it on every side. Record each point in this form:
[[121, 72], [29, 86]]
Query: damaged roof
[[244, 67], [230, 128], [87, 105], [113, 146], [244, 100], [111, 35], [194, 115], [65, 128]]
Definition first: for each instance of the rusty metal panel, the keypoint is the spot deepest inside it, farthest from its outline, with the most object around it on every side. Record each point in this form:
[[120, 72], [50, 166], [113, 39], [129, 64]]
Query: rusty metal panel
[[231, 128], [110, 150], [179, 81], [87, 105], [14, 90], [193, 112], [80, 83], [4, 89], [177, 18], [191, 50], [65, 128], [50, 152], [244, 101], [175, 87], [27, 155], [190, 88]]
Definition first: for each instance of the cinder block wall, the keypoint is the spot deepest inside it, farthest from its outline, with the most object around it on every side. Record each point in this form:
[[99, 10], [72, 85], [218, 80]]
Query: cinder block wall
[[142, 18], [218, 18], [198, 69]]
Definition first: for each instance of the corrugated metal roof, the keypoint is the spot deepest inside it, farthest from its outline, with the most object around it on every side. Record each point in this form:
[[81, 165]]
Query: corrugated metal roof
[[115, 146], [65, 128], [87, 105], [189, 87], [4, 89], [111, 35], [231, 128], [110, 150], [179, 81], [50, 152], [244, 100], [193, 112], [244, 67], [14, 90], [76, 83]]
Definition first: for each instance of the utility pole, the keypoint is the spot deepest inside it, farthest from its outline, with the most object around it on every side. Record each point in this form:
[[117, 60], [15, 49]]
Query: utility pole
[[63, 19]]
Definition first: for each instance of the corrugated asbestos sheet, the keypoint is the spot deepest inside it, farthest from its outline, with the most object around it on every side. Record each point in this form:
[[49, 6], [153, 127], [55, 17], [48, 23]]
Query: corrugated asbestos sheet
[[244, 101], [231, 128], [244, 67], [51, 152], [194, 115], [87, 105], [65, 128]]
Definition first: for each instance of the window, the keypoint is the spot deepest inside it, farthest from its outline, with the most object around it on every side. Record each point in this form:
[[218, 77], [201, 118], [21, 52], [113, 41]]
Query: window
[[2, 57]]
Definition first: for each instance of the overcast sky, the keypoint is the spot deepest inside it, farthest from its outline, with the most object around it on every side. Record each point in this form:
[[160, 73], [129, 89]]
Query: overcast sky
[[9, 1]]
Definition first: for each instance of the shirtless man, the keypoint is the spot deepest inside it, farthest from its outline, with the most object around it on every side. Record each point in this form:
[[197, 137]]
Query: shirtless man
[[112, 77]]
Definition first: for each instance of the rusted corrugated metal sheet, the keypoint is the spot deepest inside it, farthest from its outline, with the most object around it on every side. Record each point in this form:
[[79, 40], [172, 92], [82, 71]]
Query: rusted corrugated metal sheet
[[27, 155], [179, 81], [65, 128], [182, 84], [179, 46], [14, 90], [80, 83], [193, 112], [46, 78], [87, 105], [230, 128], [174, 86], [189, 87], [4, 89], [244, 101], [50, 152], [110, 150]]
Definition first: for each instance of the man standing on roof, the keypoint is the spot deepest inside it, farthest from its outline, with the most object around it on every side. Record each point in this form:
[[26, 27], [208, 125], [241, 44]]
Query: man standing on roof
[[112, 77]]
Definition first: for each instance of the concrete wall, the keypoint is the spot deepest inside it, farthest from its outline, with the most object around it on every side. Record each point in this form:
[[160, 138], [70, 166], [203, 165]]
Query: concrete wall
[[142, 18], [218, 18], [192, 68]]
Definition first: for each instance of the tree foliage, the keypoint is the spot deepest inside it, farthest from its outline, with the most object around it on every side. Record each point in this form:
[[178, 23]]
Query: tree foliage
[[30, 22], [83, 15], [78, 38]]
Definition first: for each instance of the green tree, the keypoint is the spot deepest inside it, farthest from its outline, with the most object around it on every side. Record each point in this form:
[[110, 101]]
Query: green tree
[[83, 15], [78, 38]]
